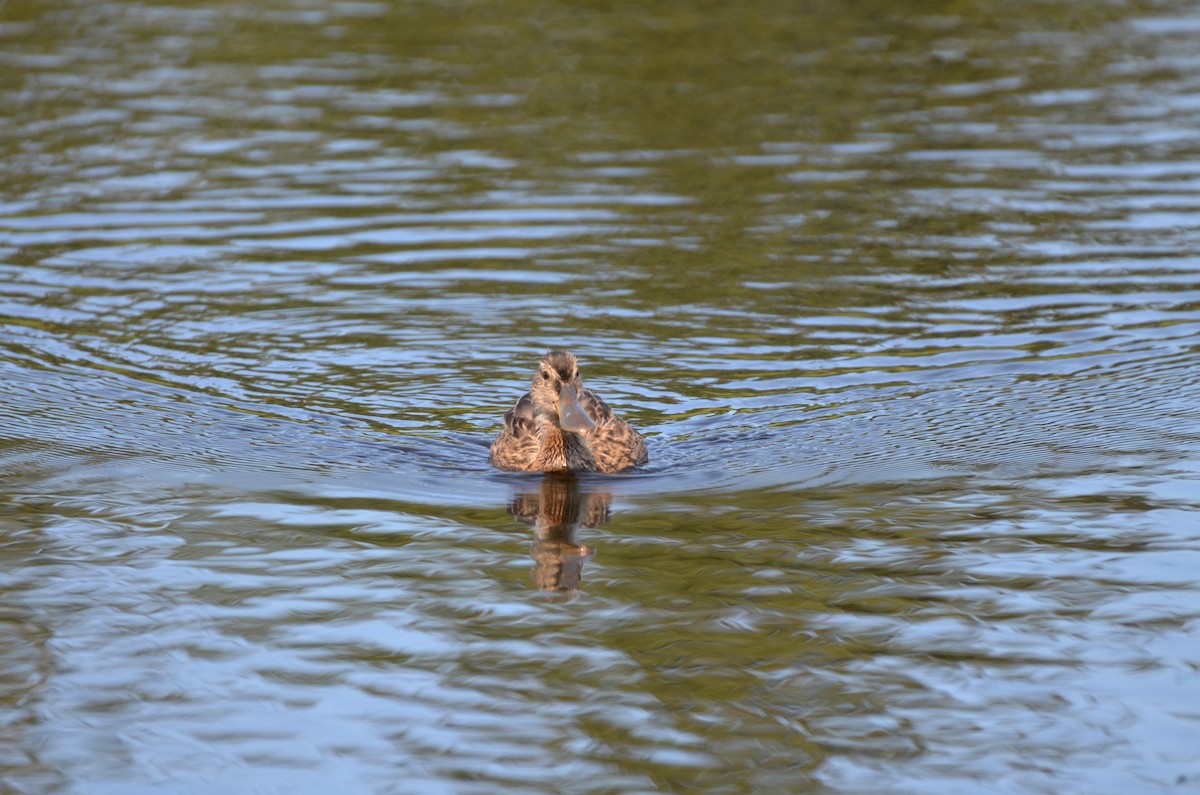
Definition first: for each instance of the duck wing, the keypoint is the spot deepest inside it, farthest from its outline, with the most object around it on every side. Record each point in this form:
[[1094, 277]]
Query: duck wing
[[595, 406], [614, 443], [517, 445], [518, 421]]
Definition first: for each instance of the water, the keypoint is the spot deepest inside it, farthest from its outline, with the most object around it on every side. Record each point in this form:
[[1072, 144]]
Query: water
[[905, 298]]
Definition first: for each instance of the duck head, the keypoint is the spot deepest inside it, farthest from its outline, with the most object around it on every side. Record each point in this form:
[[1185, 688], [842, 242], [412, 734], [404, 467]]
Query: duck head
[[555, 392]]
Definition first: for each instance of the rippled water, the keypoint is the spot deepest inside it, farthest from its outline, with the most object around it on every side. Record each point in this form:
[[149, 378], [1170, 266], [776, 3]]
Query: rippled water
[[905, 297]]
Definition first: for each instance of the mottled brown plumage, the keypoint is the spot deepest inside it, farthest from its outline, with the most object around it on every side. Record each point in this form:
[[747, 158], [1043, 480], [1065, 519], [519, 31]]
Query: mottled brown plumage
[[558, 426]]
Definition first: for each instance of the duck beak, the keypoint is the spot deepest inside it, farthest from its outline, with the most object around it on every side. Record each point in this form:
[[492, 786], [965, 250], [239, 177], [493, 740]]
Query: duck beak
[[571, 416]]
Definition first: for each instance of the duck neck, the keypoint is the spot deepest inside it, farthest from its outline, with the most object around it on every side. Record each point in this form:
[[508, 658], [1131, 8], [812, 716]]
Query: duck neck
[[559, 450]]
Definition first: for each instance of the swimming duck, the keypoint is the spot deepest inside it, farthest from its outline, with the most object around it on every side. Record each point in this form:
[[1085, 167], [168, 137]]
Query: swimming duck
[[559, 426]]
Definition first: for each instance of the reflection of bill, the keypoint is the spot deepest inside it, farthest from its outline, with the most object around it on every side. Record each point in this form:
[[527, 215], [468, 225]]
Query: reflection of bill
[[556, 509]]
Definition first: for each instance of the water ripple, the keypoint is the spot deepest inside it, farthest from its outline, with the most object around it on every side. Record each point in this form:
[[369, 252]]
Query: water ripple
[[916, 368]]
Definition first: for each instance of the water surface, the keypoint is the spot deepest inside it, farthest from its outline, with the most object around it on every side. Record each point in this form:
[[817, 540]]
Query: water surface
[[905, 297]]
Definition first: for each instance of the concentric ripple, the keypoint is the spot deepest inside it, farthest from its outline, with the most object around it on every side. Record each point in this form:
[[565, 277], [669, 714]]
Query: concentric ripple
[[906, 301]]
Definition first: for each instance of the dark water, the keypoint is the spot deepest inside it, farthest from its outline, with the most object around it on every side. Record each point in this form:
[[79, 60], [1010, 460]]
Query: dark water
[[905, 296]]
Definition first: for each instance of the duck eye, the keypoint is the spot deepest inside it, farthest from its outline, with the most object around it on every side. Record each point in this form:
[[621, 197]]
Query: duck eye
[[576, 376], [545, 376]]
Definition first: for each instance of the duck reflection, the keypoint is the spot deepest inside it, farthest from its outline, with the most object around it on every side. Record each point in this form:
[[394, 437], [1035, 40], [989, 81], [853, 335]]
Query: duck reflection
[[557, 507]]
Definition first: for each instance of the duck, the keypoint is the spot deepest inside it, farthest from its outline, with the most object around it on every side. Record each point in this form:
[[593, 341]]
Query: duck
[[559, 426]]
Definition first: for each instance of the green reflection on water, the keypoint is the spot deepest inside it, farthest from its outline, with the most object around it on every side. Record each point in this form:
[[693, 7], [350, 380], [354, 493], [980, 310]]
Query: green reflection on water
[[920, 416]]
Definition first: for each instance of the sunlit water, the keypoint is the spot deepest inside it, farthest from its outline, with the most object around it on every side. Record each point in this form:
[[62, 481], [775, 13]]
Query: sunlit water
[[906, 300]]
